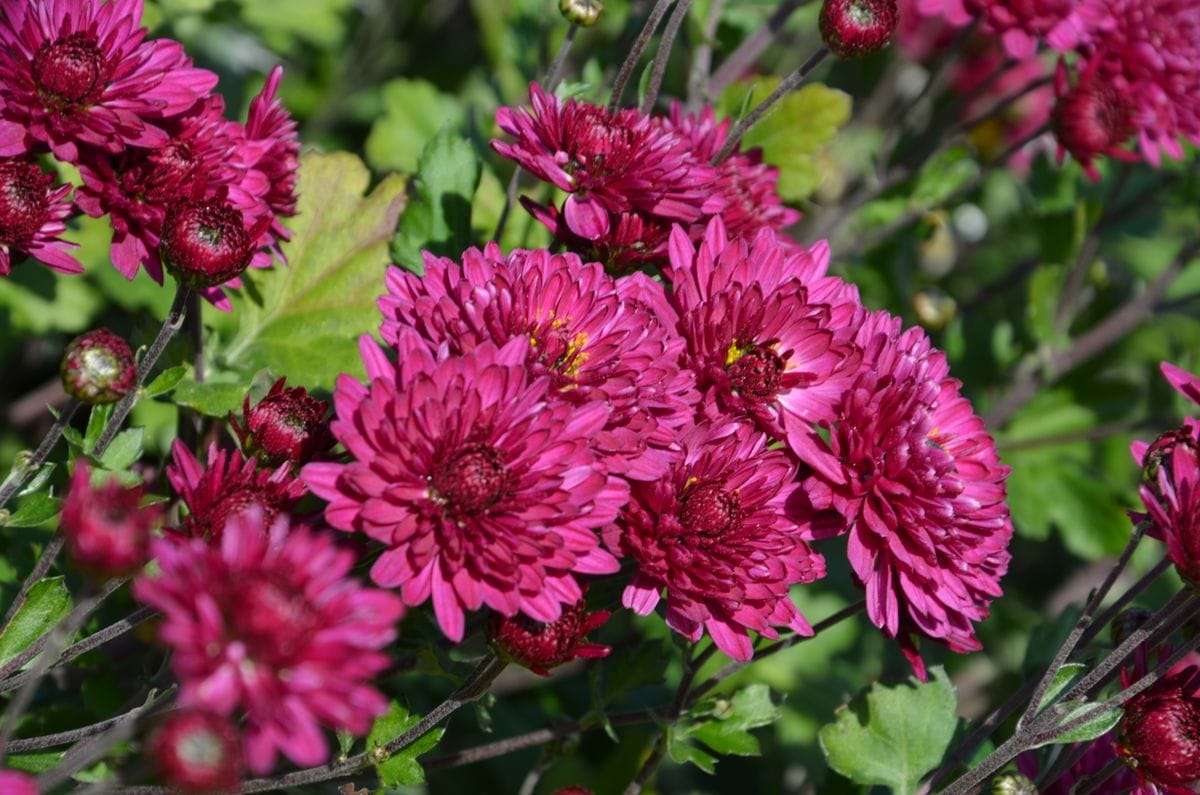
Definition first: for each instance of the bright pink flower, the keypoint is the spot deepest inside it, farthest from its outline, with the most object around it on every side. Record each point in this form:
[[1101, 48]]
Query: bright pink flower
[[81, 72], [612, 164], [197, 751], [540, 647], [1172, 496], [1148, 51], [1182, 381], [724, 536], [228, 486], [917, 479], [1061, 23], [107, 528], [484, 490], [769, 335], [33, 214], [267, 623], [13, 782], [593, 342], [748, 186], [927, 27]]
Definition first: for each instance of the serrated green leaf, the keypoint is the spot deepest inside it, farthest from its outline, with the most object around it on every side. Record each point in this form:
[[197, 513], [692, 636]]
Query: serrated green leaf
[[33, 510], [1098, 726], [893, 736], [96, 422], [738, 743], [124, 451], [413, 112], [47, 603], [402, 768], [165, 381], [304, 319], [439, 217], [35, 763], [684, 752], [210, 398]]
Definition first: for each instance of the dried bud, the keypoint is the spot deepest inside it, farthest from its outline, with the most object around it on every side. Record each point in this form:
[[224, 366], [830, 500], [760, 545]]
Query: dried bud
[[583, 13], [13, 782], [98, 367], [540, 647], [1013, 784], [197, 751], [205, 243], [286, 425], [107, 529], [1126, 623], [1160, 731], [1092, 119], [854, 28]]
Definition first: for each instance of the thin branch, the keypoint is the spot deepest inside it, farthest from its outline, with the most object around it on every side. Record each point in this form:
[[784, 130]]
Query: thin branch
[[701, 67], [635, 53], [748, 51], [658, 68], [649, 766], [29, 463]]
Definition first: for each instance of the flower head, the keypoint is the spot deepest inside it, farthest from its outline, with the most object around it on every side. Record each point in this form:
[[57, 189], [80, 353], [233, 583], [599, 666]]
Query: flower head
[[98, 367], [197, 751], [587, 334], [13, 782], [82, 72], [267, 623], [1172, 498], [540, 647], [1062, 23], [918, 482], [1091, 120], [228, 486], [854, 28], [484, 490], [724, 536], [285, 426], [107, 529], [1160, 731], [33, 214]]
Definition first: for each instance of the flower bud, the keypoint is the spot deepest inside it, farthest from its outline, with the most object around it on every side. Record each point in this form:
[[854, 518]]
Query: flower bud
[[1160, 731], [854, 28], [24, 200], [1013, 784], [205, 243], [286, 425], [540, 647], [1092, 119], [197, 751], [583, 13], [98, 367], [1126, 623], [107, 529]]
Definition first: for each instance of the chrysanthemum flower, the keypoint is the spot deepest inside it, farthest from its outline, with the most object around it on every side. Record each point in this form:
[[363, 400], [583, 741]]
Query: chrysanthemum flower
[[612, 164], [107, 529], [593, 342], [267, 623], [197, 751], [33, 214], [540, 647], [484, 490], [1061, 23], [917, 479], [228, 486], [768, 335], [14, 782], [1091, 120], [723, 535], [1159, 734], [81, 72]]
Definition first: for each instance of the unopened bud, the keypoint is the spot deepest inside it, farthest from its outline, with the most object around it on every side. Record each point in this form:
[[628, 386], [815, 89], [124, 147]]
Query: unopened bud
[[854, 28], [583, 13], [1013, 784], [98, 368]]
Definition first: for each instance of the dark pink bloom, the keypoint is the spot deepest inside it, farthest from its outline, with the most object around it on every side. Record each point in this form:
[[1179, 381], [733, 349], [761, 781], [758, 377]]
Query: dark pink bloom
[[592, 340], [1091, 120], [540, 647], [916, 477], [927, 27], [724, 536], [1159, 734], [748, 186], [228, 486], [107, 529], [612, 164], [98, 367], [197, 751], [13, 782], [769, 335], [82, 72], [33, 213], [286, 426], [267, 623], [1061, 23], [484, 489], [1182, 381]]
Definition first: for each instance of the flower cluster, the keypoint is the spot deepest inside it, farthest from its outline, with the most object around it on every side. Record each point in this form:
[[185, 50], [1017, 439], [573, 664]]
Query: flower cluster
[[80, 79]]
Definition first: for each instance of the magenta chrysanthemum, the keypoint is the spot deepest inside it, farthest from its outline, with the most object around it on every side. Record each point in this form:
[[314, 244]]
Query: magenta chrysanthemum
[[81, 72], [540, 647], [228, 486], [267, 623], [14, 782], [723, 535], [769, 335], [917, 479], [1061, 23], [593, 340], [33, 213], [484, 490], [107, 529], [614, 165]]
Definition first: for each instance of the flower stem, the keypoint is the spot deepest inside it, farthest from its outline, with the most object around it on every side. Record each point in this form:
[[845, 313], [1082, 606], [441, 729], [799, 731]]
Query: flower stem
[[746, 53], [659, 68], [635, 53], [28, 464]]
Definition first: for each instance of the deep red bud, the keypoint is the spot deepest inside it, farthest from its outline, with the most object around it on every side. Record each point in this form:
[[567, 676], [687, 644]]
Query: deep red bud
[[24, 200], [854, 28], [1091, 120], [1160, 731], [540, 647], [205, 243], [286, 425], [98, 367], [107, 529], [197, 752]]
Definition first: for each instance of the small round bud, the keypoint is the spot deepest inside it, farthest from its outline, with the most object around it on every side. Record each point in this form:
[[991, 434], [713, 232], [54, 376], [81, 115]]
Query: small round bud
[[855, 28], [286, 425], [197, 751], [107, 529], [583, 13], [1013, 784], [1160, 731], [1091, 120], [205, 243], [98, 367], [540, 647]]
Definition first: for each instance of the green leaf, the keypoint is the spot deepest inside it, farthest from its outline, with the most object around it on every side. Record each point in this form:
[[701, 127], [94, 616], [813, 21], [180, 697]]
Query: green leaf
[[48, 601], [165, 381], [35, 763], [1098, 726], [724, 742], [682, 752], [413, 111], [124, 451], [721, 723], [794, 132], [402, 768], [304, 319], [1062, 679], [942, 175], [96, 422], [439, 217], [893, 735], [33, 510]]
